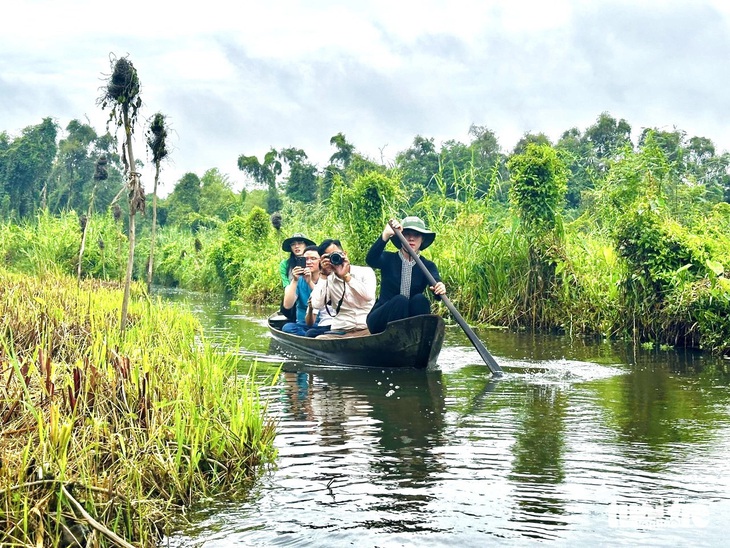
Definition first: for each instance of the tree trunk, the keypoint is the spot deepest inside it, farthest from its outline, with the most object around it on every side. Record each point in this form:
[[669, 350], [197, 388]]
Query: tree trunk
[[83, 235], [133, 182], [151, 262]]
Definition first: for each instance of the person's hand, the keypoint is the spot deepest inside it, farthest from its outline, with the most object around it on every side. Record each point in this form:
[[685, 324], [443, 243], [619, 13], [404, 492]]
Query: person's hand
[[388, 231], [342, 269], [297, 272], [438, 289], [325, 266]]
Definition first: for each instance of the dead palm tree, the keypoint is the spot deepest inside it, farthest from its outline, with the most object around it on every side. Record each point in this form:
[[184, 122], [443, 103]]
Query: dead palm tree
[[121, 95]]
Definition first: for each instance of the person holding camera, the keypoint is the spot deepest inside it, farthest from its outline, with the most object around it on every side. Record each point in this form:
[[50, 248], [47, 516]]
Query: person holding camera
[[401, 284], [295, 245], [296, 294], [345, 292]]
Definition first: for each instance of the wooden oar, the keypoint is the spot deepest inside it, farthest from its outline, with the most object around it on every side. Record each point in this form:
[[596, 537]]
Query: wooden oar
[[483, 352]]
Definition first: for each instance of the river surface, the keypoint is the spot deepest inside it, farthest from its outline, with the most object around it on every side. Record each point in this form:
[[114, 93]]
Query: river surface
[[579, 444]]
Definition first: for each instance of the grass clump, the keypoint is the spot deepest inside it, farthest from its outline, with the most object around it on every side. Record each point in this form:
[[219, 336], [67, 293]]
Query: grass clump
[[106, 438]]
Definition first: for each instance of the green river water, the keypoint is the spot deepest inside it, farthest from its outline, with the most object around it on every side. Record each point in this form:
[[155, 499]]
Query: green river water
[[579, 444]]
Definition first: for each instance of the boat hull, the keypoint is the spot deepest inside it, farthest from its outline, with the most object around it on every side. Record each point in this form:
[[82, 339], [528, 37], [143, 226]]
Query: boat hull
[[411, 343]]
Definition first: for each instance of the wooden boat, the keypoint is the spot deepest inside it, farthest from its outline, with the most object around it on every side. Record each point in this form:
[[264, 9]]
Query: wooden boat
[[413, 342]]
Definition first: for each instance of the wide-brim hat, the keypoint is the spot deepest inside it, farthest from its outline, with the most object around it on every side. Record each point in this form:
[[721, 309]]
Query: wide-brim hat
[[297, 237], [417, 224]]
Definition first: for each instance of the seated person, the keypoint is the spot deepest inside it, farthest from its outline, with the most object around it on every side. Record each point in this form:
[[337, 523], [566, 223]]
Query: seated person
[[346, 292], [319, 321], [296, 294], [322, 317], [295, 246], [402, 283]]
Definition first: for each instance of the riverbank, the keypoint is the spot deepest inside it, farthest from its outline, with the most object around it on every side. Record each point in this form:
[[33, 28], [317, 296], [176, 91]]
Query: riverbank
[[106, 437]]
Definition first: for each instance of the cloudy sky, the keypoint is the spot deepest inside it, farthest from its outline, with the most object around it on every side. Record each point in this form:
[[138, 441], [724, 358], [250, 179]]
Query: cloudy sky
[[242, 77]]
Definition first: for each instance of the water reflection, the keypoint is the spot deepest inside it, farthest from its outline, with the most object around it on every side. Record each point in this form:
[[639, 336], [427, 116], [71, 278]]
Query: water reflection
[[391, 420], [538, 465]]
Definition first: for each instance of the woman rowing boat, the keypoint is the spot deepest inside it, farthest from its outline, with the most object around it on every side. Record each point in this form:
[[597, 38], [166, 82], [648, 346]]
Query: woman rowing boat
[[402, 285]]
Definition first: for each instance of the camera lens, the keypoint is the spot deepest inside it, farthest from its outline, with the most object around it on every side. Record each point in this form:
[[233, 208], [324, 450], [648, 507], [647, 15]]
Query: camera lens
[[337, 258]]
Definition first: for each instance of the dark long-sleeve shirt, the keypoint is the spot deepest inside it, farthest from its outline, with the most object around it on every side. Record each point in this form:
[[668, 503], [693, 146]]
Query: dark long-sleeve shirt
[[390, 265]]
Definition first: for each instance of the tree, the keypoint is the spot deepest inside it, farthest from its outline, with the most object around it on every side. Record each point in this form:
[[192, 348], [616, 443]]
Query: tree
[[72, 177], [217, 199], [301, 183], [264, 173], [531, 138], [577, 154], [157, 143], [183, 203], [607, 137], [121, 95], [419, 164], [538, 189], [26, 164], [345, 150]]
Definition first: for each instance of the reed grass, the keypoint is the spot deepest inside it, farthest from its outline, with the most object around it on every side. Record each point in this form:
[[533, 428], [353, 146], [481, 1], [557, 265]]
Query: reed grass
[[108, 437]]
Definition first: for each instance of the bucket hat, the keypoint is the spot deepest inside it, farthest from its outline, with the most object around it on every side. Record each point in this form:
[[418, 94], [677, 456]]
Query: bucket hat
[[296, 237], [417, 224]]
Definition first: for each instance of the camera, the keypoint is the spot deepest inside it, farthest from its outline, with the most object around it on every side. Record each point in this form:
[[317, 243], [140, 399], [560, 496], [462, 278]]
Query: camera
[[300, 261], [337, 257]]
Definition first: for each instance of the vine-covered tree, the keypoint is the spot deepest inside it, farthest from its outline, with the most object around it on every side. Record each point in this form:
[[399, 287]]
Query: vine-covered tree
[[538, 178]]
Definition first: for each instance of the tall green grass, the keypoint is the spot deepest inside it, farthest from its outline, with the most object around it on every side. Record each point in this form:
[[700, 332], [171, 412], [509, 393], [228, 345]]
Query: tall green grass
[[131, 430]]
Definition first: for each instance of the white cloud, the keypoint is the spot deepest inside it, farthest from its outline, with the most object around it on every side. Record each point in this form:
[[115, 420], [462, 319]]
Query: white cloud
[[242, 77]]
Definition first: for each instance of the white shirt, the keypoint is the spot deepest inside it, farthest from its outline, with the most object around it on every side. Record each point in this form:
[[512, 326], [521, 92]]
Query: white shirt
[[359, 298]]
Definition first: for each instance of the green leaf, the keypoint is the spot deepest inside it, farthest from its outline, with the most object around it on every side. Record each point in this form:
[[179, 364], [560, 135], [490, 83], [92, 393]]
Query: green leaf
[[715, 266]]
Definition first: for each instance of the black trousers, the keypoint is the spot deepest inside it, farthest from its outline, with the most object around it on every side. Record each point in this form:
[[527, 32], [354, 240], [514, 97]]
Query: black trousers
[[397, 308]]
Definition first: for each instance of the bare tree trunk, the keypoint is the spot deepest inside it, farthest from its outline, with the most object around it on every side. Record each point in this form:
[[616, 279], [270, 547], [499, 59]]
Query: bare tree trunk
[[81, 251], [151, 262], [133, 184], [84, 232]]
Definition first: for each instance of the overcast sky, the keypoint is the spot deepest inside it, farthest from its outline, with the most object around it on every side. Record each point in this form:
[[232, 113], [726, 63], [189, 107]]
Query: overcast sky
[[242, 77]]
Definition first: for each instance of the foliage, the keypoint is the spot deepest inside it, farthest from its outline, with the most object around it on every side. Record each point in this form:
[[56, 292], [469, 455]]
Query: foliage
[[602, 237], [182, 259], [538, 178], [25, 165], [100, 423], [364, 210], [121, 93], [264, 173], [157, 138], [704, 308], [50, 244], [539, 183]]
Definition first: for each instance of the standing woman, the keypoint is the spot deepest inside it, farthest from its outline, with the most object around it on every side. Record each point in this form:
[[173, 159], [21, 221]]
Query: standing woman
[[402, 283], [295, 245]]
